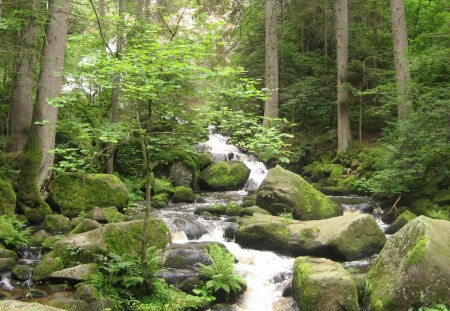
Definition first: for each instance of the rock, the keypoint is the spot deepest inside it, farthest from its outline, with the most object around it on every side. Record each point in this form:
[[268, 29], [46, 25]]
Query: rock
[[163, 186], [7, 198], [6, 264], [6, 253], [98, 215], [348, 237], [321, 284], [190, 284], [160, 200], [86, 225], [412, 269], [14, 305], [224, 307], [183, 194], [248, 201], [76, 221], [176, 277], [230, 232], [56, 223], [46, 267], [86, 292], [181, 175], [37, 293], [36, 215], [400, 222], [225, 176], [73, 193], [287, 291], [22, 272], [102, 304], [78, 273], [284, 304], [192, 229], [39, 237], [204, 159], [365, 208], [68, 304], [443, 198], [216, 209], [283, 191], [113, 215], [255, 209], [119, 238], [232, 209], [181, 256]]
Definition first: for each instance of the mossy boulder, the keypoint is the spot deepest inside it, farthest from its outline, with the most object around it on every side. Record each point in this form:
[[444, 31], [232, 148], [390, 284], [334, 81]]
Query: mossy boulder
[[160, 200], [216, 209], [321, 284], [413, 267], [86, 225], [6, 253], [22, 272], [69, 304], [183, 194], [15, 305], [162, 186], [119, 238], [113, 215], [443, 198], [181, 175], [248, 201], [400, 222], [225, 176], [56, 223], [7, 198], [86, 292], [46, 267], [7, 263], [78, 273], [204, 160], [347, 237], [283, 191], [36, 215], [255, 210], [73, 193], [39, 237]]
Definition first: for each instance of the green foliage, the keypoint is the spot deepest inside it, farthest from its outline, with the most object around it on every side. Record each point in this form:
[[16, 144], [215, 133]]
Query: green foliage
[[439, 307], [12, 232], [220, 274]]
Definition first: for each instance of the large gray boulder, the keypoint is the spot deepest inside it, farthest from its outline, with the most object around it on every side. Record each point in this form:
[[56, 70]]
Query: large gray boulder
[[225, 176], [413, 267], [348, 237], [283, 191], [73, 193], [78, 273], [320, 284], [15, 305]]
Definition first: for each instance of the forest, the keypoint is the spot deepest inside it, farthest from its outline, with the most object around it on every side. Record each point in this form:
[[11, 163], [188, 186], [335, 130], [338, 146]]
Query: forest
[[154, 152]]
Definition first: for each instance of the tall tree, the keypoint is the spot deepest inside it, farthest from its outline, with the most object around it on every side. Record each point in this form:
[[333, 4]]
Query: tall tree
[[400, 40], [102, 8], [115, 94], [140, 9], [1, 8], [344, 133], [271, 105], [50, 80], [21, 103]]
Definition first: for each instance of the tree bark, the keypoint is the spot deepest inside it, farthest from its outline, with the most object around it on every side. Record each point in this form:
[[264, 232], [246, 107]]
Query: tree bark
[[147, 10], [115, 94], [400, 40], [271, 105], [344, 133], [140, 10], [1, 8], [102, 8], [50, 81], [21, 104]]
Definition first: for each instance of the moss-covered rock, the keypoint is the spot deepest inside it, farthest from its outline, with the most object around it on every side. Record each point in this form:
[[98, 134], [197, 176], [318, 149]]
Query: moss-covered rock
[[225, 176], [56, 223], [160, 200], [36, 215], [255, 210], [248, 201], [7, 198], [284, 191], [443, 198], [183, 194], [204, 160], [86, 292], [7, 263], [216, 209], [400, 222], [15, 305], [69, 304], [120, 238], [181, 175], [46, 267], [39, 237], [86, 225], [348, 237], [78, 273], [6, 253], [232, 209], [162, 186], [321, 284], [22, 272], [412, 269], [73, 193], [113, 215]]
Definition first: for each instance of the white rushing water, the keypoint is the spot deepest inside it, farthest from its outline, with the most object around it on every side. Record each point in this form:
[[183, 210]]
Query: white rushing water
[[221, 151]]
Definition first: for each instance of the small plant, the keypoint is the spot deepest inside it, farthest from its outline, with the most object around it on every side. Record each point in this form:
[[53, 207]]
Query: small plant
[[439, 307], [12, 232], [287, 215]]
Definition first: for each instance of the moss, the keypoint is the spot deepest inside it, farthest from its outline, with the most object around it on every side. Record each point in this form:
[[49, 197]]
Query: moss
[[233, 209], [160, 200], [308, 292], [248, 201], [46, 267], [183, 194], [204, 160], [187, 158], [112, 214], [7, 198], [224, 176], [265, 236], [86, 225], [418, 253], [163, 185], [401, 221], [56, 223], [76, 192]]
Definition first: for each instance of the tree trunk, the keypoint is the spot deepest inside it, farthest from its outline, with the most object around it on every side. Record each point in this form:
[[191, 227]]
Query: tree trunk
[[344, 133], [147, 10], [271, 105], [50, 80], [115, 94], [140, 10], [1, 8], [102, 8], [400, 40], [21, 104]]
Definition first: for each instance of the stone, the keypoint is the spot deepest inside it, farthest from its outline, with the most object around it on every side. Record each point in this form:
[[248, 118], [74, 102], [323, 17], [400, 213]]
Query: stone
[[412, 269], [86, 292], [120, 238], [283, 191], [163, 186], [255, 209], [56, 223], [443, 198], [22, 272], [248, 201], [321, 284], [225, 176], [78, 273], [6, 253], [366, 208], [73, 193], [284, 304], [183, 194], [7, 198], [14, 305], [193, 229], [98, 215], [349, 237], [400, 222], [160, 200], [46, 267], [39, 237], [181, 175], [6, 264], [68, 304], [102, 304], [86, 225]]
